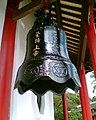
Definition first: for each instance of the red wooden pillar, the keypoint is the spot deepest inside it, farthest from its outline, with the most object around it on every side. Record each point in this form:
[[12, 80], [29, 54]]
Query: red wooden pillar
[[94, 117], [84, 115], [6, 63], [91, 33], [65, 107], [85, 101]]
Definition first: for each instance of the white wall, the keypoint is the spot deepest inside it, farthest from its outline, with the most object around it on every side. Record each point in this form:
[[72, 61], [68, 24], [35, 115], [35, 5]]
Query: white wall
[[24, 107], [3, 4]]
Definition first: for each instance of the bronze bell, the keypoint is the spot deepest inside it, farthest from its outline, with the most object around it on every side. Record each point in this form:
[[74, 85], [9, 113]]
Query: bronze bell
[[47, 65]]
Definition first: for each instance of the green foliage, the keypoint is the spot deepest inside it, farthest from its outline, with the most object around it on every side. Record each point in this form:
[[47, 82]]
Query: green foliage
[[93, 99], [73, 101], [74, 115], [58, 108]]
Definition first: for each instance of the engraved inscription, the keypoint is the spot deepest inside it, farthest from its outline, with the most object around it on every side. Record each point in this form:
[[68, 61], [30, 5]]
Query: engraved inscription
[[37, 41]]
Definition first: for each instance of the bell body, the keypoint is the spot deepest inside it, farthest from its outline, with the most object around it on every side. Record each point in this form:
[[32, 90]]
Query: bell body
[[47, 65]]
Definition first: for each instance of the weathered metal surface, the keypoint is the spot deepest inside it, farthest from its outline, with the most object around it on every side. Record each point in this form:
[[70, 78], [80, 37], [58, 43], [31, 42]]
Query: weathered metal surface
[[47, 65]]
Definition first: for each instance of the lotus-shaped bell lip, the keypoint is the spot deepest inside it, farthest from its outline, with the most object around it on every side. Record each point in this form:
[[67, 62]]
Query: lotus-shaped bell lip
[[40, 87]]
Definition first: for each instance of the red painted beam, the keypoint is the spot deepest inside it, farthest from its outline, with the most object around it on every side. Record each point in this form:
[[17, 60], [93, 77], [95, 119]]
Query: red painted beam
[[65, 107], [6, 63], [91, 33], [84, 97]]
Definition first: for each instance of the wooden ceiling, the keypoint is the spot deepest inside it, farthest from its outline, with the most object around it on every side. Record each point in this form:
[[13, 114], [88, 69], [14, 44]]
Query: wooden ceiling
[[69, 15]]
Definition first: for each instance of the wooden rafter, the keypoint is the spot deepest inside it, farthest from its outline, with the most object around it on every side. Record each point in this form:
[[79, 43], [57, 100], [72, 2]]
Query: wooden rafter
[[74, 2], [72, 7], [71, 25], [83, 39], [31, 7]]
